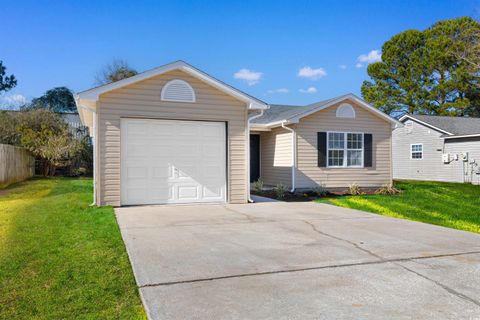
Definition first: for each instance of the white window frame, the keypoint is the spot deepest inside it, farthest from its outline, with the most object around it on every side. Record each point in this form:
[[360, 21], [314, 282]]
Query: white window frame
[[411, 151], [345, 149]]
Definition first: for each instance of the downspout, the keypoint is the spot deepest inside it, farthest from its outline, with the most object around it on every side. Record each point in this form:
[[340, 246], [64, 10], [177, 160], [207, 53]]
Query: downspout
[[294, 154], [248, 151]]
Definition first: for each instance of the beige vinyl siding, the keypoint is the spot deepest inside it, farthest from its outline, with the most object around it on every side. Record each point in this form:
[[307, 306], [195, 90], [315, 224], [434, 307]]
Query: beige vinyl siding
[[142, 100], [308, 173], [276, 157]]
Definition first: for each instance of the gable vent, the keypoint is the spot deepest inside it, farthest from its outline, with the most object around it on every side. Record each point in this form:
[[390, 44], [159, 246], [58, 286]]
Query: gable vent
[[178, 90], [345, 110]]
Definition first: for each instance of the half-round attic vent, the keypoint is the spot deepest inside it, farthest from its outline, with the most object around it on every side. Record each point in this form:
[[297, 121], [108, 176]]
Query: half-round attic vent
[[178, 90], [345, 110]]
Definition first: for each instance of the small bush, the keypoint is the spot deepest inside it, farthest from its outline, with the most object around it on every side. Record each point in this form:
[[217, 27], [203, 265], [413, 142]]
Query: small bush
[[320, 190], [280, 191], [258, 186], [355, 190], [388, 189]]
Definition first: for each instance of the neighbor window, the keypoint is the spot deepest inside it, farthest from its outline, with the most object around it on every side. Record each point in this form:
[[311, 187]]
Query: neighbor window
[[345, 149], [416, 151]]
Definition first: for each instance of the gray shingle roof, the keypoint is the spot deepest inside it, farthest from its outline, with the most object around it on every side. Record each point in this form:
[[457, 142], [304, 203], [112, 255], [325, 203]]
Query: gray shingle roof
[[458, 126], [279, 112]]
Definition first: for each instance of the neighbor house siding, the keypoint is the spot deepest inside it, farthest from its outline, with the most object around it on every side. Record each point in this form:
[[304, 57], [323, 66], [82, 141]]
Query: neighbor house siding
[[142, 100], [276, 157], [465, 171], [308, 174], [431, 167]]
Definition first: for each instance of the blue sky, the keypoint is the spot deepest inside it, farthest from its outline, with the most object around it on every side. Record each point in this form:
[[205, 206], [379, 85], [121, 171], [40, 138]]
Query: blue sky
[[294, 52]]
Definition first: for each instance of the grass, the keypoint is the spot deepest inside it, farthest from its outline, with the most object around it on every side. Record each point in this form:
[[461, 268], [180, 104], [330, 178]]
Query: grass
[[452, 205], [60, 258]]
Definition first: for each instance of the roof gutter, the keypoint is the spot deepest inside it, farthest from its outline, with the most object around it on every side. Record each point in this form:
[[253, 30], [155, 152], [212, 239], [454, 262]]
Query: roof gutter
[[294, 153], [248, 151], [463, 136]]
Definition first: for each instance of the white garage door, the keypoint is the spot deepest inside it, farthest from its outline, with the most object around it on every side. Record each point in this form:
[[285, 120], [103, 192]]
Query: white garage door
[[170, 161]]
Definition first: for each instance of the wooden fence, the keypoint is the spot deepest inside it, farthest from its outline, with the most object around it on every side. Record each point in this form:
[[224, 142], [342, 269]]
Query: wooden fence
[[16, 164]]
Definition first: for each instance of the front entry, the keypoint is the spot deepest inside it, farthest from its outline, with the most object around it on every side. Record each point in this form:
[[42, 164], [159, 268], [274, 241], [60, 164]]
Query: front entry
[[254, 157]]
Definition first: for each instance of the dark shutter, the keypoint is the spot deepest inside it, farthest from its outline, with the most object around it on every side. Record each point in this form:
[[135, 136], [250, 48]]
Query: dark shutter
[[322, 148], [368, 150]]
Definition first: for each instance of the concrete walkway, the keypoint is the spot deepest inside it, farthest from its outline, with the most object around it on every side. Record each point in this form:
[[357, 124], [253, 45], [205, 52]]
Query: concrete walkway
[[278, 260]]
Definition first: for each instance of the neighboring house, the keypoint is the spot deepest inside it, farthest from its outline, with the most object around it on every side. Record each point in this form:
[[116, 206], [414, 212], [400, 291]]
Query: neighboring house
[[75, 125], [174, 134], [437, 148]]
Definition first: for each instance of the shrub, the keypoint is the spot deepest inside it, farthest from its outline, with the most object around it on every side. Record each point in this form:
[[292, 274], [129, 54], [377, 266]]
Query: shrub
[[280, 191], [258, 186], [320, 190], [388, 189], [354, 190]]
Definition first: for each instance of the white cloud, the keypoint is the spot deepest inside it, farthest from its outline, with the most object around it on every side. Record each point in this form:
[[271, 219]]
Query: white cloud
[[358, 65], [280, 90], [342, 66], [372, 56], [310, 73], [12, 101], [251, 77], [309, 90]]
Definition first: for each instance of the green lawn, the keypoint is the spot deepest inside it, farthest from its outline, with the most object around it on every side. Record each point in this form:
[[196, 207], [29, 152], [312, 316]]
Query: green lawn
[[60, 258], [452, 205]]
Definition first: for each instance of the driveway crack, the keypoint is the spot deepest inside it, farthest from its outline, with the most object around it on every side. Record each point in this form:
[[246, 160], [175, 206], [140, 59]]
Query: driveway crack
[[356, 245], [242, 275], [443, 286]]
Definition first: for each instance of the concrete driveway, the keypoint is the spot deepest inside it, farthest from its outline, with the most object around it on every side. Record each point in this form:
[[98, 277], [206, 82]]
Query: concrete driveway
[[298, 261]]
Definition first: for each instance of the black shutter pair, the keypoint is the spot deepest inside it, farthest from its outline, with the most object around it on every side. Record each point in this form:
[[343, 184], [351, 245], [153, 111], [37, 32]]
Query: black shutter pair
[[322, 149]]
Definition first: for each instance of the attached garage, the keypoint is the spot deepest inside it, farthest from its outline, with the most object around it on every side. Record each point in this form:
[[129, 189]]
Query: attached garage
[[169, 135], [172, 161]]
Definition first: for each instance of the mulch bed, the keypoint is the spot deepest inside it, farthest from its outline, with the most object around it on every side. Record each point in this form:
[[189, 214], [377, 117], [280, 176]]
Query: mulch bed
[[304, 196]]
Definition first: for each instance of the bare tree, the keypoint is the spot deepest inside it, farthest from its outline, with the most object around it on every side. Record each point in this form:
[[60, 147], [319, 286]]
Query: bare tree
[[117, 70]]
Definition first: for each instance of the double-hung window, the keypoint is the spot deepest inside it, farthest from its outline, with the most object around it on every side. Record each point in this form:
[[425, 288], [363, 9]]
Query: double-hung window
[[345, 149], [416, 151]]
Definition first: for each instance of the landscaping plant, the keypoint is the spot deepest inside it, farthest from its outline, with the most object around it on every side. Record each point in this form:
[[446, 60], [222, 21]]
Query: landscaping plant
[[355, 190], [258, 186], [388, 189], [280, 191], [320, 190]]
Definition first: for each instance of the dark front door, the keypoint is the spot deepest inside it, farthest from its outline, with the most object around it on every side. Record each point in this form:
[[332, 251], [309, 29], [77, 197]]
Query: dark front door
[[254, 157]]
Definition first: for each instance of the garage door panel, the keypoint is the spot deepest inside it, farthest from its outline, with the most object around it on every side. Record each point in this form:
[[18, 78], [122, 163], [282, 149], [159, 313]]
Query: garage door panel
[[187, 129], [137, 172], [162, 172], [212, 131], [136, 195], [212, 192], [164, 194], [188, 192], [162, 129], [187, 172], [170, 161]]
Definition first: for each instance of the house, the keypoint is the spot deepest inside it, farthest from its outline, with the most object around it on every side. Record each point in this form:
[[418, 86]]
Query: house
[[174, 134], [334, 143], [437, 148]]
